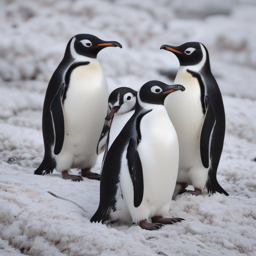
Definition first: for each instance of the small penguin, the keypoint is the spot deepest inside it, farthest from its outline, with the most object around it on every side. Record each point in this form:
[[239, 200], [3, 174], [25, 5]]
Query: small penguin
[[75, 105], [122, 106], [199, 118], [121, 101], [141, 166]]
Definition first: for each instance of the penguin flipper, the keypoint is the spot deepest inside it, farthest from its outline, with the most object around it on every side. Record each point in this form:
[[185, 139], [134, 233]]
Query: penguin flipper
[[205, 139], [103, 138], [107, 199], [135, 169], [208, 149], [58, 120]]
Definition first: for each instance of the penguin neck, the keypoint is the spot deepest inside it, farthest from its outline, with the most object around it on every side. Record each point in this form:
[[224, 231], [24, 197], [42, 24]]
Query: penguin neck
[[148, 106]]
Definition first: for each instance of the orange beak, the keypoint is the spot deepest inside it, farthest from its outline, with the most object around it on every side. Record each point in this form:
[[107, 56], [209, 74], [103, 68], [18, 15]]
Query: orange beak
[[106, 44], [169, 91], [174, 88], [112, 112], [172, 50]]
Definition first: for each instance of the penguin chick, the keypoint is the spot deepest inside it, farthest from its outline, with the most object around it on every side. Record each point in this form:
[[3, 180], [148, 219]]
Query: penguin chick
[[199, 118], [74, 109], [138, 174]]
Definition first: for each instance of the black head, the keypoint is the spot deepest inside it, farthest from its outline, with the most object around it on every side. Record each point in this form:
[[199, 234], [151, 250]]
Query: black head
[[89, 45], [121, 100], [188, 53], [155, 92]]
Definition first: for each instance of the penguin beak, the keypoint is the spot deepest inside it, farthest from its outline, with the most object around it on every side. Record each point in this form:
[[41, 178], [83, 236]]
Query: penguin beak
[[174, 88], [112, 112], [112, 43], [170, 48]]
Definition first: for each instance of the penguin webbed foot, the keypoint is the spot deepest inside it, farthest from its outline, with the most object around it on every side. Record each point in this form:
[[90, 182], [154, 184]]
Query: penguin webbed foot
[[90, 175], [144, 224], [161, 220], [67, 176]]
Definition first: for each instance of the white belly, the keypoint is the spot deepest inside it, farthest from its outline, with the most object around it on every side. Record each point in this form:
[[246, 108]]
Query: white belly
[[159, 155], [84, 110], [185, 111]]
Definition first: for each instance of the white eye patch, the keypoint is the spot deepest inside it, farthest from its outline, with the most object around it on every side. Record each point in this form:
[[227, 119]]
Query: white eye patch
[[156, 89], [128, 96], [86, 42], [189, 50]]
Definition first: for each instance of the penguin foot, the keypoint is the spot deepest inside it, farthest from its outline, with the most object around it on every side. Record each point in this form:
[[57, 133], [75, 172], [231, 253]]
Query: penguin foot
[[196, 192], [160, 219], [144, 224], [90, 175], [67, 176]]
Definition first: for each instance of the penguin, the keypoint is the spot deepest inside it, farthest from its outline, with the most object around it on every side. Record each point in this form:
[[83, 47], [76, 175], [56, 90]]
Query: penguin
[[121, 101], [140, 168], [122, 106], [75, 105], [124, 98], [198, 116]]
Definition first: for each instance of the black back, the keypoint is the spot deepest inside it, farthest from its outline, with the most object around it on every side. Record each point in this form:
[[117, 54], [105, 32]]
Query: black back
[[56, 81], [213, 131]]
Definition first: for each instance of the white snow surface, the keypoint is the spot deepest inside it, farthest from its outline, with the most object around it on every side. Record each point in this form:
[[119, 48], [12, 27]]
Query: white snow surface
[[34, 34]]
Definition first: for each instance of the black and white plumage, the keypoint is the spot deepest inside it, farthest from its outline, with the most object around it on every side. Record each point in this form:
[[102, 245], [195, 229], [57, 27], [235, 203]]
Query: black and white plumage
[[138, 174], [121, 104], [74, 109], [199, 119]]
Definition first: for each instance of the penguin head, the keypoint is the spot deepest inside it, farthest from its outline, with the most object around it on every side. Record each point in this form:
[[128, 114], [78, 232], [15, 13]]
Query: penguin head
[[189, 54], [120, 101], [155, 92], [89, 45]]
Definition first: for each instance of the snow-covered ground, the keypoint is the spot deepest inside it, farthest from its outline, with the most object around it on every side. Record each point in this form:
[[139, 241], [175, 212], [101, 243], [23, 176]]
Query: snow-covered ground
[[33, 38]]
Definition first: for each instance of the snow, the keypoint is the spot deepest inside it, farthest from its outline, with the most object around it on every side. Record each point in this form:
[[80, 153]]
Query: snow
[[33, 39]]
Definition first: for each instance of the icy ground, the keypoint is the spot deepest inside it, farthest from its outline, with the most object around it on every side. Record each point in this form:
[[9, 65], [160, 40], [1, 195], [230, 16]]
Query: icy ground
[[34, 34]]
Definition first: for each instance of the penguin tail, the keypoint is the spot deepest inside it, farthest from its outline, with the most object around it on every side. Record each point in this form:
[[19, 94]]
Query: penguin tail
[[45, 167], [213, 186]]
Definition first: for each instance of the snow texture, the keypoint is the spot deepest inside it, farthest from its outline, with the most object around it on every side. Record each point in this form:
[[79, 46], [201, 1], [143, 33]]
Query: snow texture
[[34, 35]]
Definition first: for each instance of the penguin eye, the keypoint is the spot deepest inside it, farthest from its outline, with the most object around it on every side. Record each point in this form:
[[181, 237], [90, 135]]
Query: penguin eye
[[128, 96], [189, 50], [86, 42], [156, 89]]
